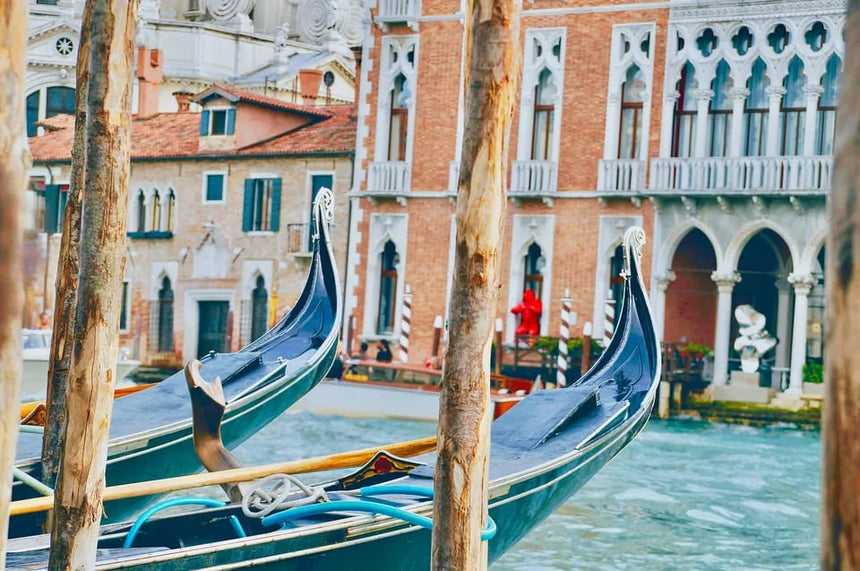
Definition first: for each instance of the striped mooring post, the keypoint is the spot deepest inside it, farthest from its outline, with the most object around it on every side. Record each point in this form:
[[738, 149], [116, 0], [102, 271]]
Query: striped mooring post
[[563, 338], [608, 319], [405, 325]]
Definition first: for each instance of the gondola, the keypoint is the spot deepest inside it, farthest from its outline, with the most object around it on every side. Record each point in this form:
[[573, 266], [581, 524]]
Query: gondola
[[542, 451], [151, 430]]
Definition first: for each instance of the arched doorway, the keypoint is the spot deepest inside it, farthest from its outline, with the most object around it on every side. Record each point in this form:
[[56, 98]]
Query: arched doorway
[[764, 266], [691, 299], [259, 309], [165, 317]]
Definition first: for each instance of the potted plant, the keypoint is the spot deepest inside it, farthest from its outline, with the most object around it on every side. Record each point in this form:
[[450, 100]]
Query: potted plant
[[695, 351], [813, 378]]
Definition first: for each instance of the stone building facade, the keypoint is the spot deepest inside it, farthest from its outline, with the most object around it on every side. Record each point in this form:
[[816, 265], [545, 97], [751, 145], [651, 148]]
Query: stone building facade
[[709, 124], [219, 211]]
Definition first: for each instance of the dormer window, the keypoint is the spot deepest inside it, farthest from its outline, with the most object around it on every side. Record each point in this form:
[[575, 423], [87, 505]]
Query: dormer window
[[217, 121]]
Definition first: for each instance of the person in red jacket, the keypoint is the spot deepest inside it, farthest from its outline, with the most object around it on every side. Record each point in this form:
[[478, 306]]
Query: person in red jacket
[[529, 311]]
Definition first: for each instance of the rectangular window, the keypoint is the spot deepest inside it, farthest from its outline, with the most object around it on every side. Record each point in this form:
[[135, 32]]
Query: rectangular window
[[214, 187], [262, 205], [219, 122], [124, 308], [53, 204]]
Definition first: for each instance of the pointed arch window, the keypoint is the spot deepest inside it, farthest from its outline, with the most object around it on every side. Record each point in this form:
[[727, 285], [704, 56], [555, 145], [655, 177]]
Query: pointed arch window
[[756, 111], [156, 212], [684, 134], [720, 112], [632, 102], [534, 264], [398, 119], [165, 316], [387, 289], [259, 309], [792, 112], [141, 211], [827, 107], [616, 280], [544, 112], [169, 211]]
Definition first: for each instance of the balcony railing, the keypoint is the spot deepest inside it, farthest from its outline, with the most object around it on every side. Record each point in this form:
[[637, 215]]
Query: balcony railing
[[537, 178], [394, 11], [389, 178], [297, 238], [742, 174], [621, 175]]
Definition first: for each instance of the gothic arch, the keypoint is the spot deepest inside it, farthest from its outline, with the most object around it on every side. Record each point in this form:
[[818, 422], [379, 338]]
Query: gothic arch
[[742, 237]]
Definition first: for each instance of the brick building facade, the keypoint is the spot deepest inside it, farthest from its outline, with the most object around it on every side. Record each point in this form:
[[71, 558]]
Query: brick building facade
[[710, 126], [219, 211]]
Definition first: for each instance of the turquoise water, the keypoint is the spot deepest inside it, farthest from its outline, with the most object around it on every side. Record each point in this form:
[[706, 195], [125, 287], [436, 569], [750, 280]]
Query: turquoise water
[[684, 495]]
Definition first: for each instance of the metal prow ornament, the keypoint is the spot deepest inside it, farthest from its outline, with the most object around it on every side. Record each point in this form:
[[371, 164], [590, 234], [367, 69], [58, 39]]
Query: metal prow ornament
[[207, 411]]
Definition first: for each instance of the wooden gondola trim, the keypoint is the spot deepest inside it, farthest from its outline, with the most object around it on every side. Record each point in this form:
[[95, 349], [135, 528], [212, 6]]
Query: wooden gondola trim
[[351, 459]]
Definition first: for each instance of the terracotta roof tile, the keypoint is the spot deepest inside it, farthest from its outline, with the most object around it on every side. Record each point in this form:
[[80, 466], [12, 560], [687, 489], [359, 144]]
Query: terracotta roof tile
[[257, 99], [174, 135]]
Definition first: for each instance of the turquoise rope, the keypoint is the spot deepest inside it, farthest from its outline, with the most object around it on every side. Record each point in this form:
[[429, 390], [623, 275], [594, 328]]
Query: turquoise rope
[[171, 502], [373, 508]]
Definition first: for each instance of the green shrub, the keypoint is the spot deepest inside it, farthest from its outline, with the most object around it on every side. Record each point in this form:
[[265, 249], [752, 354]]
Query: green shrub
[[813, 372], [696, 350]]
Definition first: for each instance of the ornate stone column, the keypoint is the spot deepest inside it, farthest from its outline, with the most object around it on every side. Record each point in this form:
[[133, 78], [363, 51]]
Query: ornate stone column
[[739, 98], [813, 93], [784, 289], [670, 102], [663, 282], [613, 120], [703, 101], [725, 284], [803, 284], [775, 100]]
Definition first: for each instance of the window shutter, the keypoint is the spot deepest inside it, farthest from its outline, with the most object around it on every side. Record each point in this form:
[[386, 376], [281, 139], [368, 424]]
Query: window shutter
[[231, 121], [52, 207], [248, 211], [276, 205], [204, 123]]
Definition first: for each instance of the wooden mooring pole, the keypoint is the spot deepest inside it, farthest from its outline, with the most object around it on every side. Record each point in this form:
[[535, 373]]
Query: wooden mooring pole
[[68, 266], [92, 371], [13, 181], [840, 529], [492, 55]]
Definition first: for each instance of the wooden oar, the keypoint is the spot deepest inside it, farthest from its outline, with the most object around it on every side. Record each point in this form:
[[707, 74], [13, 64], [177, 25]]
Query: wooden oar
[[351, 459], [29, 407]]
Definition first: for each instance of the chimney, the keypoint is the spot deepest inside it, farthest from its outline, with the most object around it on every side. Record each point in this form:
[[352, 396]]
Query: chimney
[[183, 100], [309, 84], [149, 75]]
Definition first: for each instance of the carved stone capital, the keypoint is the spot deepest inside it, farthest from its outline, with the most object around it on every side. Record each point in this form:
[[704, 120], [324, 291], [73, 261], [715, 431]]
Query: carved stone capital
[[775, 92], [803, 283], [706, 94], [664, 280], [739, 93], [672, 96], [813, 91], [726, 282]]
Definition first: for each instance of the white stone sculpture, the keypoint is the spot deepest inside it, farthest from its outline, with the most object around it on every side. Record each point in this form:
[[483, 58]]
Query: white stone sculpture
[[754, 340]]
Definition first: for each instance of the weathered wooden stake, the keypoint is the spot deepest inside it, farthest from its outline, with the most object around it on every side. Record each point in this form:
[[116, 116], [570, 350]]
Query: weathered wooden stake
[[68, 265], [13, 181], [840, 529], [492, 52], [89, 396]]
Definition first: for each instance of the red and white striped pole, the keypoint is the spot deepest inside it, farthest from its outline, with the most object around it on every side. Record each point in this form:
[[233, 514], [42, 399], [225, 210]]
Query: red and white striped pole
[[608, 319], [563, 338], [405, 324]]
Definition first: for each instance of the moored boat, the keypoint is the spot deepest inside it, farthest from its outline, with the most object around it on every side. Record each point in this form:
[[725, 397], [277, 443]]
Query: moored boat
[[542, 451], [397, 390], [36, 352], [150, 433]]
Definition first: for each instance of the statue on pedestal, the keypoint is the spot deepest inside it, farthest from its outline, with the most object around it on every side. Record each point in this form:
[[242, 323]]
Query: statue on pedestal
[[529, 310], [754, 340]]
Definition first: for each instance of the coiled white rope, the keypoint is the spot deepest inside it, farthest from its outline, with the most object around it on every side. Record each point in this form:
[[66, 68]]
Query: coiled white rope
[[276, 492]]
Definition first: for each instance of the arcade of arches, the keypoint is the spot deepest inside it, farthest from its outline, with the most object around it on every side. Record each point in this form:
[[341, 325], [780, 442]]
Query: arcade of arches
[[700, 302]]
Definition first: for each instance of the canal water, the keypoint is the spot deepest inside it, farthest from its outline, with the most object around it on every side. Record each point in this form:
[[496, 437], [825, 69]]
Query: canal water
[[685, 495]]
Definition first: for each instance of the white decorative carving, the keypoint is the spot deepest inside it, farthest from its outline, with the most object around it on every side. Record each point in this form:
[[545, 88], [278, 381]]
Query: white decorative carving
[[229, 9], [754, 340], [315, 18], [351, 21]]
